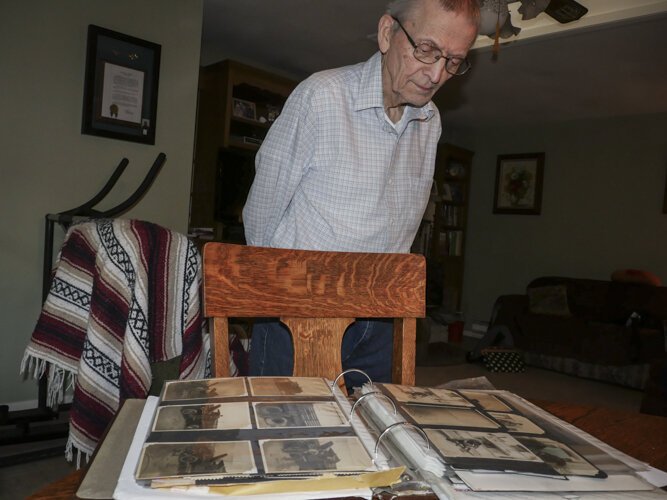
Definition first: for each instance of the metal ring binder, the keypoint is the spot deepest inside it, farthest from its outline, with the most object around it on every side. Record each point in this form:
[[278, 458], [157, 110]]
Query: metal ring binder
[[397, 424], [371, 394], [335, 382]]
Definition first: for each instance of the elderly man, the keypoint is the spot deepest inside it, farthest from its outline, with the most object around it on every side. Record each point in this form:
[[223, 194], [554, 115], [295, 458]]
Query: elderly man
[[348, 165]]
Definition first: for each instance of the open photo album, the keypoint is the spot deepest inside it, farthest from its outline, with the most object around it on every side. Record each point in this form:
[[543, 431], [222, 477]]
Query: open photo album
[[224, 432]]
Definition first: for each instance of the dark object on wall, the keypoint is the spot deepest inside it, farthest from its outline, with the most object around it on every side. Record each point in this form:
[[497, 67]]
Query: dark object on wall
[[23, 418], [565, 11], [121, 86]]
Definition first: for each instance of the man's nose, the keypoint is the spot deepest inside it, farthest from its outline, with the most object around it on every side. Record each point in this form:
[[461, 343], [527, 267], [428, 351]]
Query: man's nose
[[436, 72]]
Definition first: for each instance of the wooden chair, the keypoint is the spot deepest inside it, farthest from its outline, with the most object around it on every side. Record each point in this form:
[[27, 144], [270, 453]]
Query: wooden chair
[[317, 295]]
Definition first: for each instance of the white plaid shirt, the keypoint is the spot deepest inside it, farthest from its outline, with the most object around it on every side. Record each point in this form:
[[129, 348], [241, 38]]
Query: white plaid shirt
[[334, 174]]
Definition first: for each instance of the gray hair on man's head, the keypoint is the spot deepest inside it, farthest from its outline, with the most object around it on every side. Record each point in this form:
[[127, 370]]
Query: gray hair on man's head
[[401, 9]]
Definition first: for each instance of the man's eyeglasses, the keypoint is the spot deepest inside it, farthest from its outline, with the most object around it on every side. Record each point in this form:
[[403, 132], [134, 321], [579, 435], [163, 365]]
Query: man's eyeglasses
[[428, 54]]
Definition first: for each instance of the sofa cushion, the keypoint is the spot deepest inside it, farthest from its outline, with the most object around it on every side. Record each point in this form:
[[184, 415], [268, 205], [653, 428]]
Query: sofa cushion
[[635, 276], [550, 300]]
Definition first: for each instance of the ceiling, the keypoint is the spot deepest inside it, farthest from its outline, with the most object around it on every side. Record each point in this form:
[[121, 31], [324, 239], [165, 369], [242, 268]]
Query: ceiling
[[612, 62]]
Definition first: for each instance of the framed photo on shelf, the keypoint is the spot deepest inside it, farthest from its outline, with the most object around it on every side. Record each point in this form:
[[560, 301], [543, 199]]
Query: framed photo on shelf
[[244, 109], [518, 188], [121, 86], [455, 169], [446, 194]]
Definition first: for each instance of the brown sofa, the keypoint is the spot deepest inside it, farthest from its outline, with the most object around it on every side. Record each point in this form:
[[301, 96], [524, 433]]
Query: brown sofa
[[603, 330]]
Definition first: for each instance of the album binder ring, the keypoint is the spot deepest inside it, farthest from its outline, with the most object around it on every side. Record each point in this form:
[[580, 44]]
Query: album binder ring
[[373, 393], [335, 382], [397, 424]]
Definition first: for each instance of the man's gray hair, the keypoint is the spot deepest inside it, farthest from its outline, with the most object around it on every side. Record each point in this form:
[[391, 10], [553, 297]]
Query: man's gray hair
[[401, 9]]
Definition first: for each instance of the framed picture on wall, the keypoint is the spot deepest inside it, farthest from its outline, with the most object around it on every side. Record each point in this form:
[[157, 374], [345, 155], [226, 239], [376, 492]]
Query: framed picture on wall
[[121, 84], [518, 188]]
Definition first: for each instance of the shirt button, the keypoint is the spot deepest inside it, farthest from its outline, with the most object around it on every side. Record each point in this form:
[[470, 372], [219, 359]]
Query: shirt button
[[391, 180]]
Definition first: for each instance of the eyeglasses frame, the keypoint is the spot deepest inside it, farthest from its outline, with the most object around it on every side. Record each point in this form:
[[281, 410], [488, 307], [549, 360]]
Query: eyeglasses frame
[[464, 63]]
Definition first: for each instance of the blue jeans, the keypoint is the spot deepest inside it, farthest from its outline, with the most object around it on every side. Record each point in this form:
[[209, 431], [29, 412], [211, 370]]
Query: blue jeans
[[367, 345]]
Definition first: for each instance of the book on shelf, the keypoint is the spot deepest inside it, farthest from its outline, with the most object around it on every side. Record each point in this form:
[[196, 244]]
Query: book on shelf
[[259, 435]]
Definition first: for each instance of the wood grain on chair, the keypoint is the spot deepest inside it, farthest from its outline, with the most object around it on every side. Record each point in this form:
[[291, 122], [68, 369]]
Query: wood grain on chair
[[317, 295]]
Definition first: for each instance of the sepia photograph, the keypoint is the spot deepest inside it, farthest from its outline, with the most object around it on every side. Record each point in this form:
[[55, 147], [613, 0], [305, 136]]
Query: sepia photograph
[[479, 445], [204, 389], [426, 395], [160, 460], [289, 386], [299, 414], [562, 458], [517, 423], [486, 401], [335, 454], [203, 417], [449, 417]]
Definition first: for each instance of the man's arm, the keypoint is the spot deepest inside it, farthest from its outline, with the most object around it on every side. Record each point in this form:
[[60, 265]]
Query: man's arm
[[279, 166]]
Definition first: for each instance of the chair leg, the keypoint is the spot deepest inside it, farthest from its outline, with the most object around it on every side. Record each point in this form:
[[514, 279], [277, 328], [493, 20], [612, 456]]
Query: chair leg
[[405, 345], [220, 347]]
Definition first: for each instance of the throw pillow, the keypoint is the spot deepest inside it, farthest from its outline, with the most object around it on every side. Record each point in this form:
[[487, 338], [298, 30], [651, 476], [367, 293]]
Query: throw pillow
[[549, 300], [635, 276]]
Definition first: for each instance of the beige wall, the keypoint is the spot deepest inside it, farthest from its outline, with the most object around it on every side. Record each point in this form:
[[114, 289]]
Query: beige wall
[[47, 165], [604, 182]]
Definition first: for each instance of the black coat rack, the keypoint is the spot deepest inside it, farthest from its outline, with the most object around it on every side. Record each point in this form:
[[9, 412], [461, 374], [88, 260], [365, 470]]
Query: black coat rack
[[23, 418]]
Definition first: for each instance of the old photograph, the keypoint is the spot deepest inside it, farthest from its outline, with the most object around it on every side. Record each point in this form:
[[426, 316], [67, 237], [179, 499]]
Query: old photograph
[[426, 395], [205, 388], [517, 423], [335, 454], [203, 417], [289, 386], [482, 445], [299, 414], [486, 401], [449, 417], [159, 460], [562, 458]]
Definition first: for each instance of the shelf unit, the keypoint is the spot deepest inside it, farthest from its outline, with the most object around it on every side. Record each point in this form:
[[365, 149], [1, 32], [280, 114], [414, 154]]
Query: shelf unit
[[236, 106], [447, 252]]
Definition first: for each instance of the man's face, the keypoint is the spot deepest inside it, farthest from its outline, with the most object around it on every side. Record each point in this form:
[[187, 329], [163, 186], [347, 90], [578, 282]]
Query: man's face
[[406, 80]]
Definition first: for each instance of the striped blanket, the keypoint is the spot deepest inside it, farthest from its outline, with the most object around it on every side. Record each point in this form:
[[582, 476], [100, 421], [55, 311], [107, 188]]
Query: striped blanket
[[124, 294]]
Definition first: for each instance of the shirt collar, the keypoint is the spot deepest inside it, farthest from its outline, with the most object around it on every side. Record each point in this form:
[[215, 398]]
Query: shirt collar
[[370, 91]]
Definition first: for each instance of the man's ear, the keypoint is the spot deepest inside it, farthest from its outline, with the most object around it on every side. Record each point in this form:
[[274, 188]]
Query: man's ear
[[385, 32]]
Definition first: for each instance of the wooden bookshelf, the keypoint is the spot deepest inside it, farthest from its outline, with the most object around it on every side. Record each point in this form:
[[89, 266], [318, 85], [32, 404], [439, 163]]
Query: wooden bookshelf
[[447, 251], [227, 138]]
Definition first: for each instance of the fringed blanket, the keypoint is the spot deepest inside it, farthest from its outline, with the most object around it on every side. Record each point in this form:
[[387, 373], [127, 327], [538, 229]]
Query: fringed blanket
[[124, 294]]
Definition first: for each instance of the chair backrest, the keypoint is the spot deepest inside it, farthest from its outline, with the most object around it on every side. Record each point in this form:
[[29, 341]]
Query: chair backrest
[[317, 295]]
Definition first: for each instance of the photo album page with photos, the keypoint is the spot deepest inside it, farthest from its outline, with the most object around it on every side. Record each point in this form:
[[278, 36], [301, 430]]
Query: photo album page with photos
[[477, 440], [290, 434], [237, 429]]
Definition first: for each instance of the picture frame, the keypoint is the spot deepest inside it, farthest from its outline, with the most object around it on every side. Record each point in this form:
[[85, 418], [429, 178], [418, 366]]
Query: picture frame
[[446, 194], [244, 109], [518, 188], [121, 86]]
